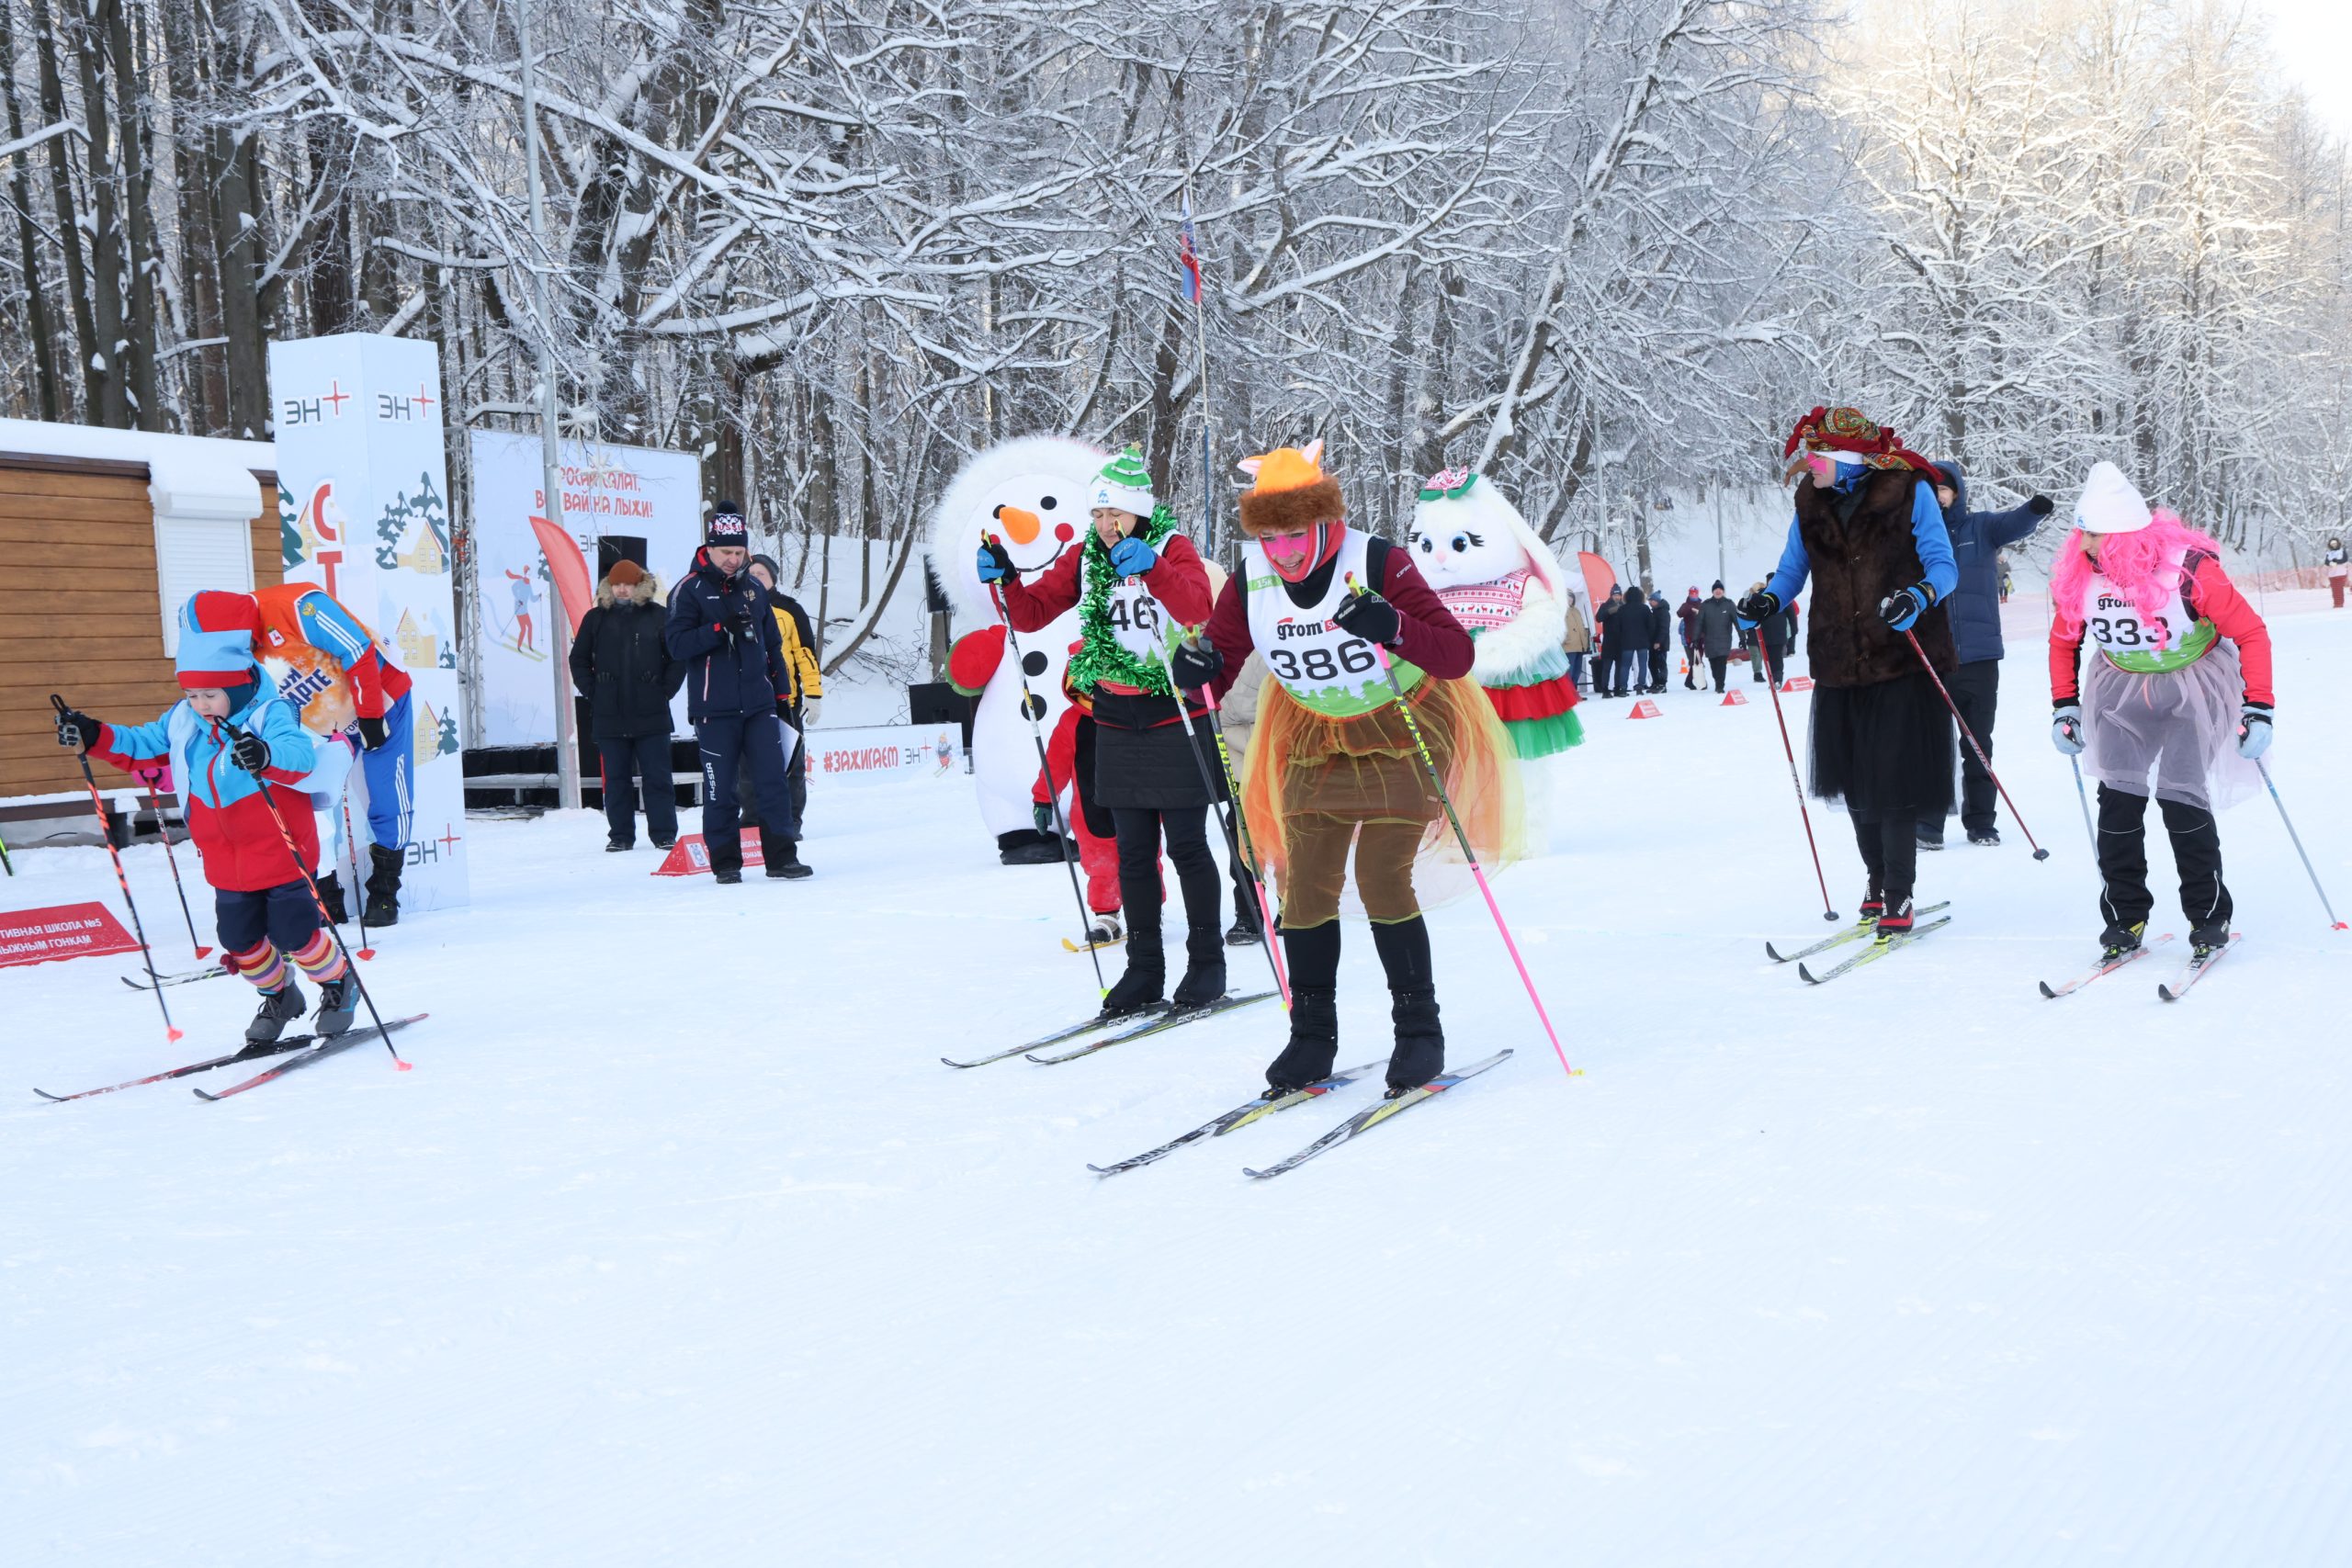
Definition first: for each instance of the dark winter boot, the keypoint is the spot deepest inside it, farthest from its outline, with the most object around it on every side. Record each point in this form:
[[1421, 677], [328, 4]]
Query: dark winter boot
[[1145, 985], [1873, 904], [338, 1001], [1314, 1040], [726, 859], [781, 856], [1204, 979], [1243, 933], [331, 895], [1419, 1052], [383, 906], [2204, 939], [278, 1009], [1896, 920]]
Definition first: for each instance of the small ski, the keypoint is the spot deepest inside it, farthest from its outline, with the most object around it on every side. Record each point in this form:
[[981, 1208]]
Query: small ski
[[1169, 1019], [185, 978], [1056, 1038], [1241, 1116], [250, 1053], [1071, 946], [363, 1035], [2104, 966], [1363, 1120], [1876, 950], [1857, 930], [2194, 970]]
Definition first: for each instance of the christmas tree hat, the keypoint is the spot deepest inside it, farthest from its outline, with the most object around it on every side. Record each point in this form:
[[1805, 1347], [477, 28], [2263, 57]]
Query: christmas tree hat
[[1124, 483]]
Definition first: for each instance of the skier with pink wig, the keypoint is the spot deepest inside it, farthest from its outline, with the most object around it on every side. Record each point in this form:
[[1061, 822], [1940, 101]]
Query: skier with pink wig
[[2179, 687]]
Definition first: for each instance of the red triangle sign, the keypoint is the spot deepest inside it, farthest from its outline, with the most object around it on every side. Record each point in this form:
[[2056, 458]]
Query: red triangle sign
[[1799, 683], [1643, 709], [1735, 699]]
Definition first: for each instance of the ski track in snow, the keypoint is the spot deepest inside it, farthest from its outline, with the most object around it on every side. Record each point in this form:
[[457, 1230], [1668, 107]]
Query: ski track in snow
[[680, 1246]]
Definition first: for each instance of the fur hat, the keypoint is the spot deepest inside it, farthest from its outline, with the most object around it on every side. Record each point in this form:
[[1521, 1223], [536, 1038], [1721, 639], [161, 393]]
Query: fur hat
[[625, 571], [216, 640], [1289, 491]]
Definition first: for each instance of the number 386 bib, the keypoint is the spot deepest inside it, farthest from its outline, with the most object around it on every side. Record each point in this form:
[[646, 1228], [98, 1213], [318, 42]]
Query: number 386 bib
[[1330, 670], [2145, 645]]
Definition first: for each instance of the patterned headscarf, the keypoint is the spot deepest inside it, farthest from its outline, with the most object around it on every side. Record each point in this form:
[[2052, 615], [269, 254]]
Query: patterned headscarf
[[1844, 430]]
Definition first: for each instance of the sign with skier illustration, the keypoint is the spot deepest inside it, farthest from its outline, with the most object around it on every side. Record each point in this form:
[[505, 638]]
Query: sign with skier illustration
[[624, 492], [363, 513]]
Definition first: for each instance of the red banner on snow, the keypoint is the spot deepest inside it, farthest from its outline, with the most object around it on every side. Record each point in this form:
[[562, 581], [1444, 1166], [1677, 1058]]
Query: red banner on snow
[[1599, 577], [568, 568], [688, 857], [62, 931]]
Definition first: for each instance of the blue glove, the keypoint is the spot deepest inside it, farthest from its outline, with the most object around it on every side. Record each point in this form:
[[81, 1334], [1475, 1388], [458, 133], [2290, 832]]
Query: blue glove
[[996, 561], [1902, 609], [2066, 728], [2253, 730], [1132, 558]]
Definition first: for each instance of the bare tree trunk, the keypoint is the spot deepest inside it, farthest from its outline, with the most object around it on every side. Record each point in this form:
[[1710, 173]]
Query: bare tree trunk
[[204, 394], [108, 251], [135, 159], [68, 213], [28, 238]]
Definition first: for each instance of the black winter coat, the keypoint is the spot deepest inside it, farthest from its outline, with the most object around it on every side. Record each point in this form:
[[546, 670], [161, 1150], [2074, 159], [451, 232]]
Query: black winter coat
[[1629, 628], [1718, 626], [621, 663], [728, 672]]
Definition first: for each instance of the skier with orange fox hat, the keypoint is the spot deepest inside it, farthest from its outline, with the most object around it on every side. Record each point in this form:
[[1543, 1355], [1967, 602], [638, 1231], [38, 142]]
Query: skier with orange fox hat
[[1334, 763]]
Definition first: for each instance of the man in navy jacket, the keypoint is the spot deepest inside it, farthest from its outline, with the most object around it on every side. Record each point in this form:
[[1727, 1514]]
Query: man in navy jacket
[[1977, 539], [722, 628]]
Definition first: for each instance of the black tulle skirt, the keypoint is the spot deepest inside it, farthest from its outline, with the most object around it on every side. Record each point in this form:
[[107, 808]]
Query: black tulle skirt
[[1884, 747]]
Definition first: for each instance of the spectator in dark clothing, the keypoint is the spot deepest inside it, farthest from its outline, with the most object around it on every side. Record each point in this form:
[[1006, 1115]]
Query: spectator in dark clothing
[[1977, 538], [1608, 667], [1780, 634], [621, 664], [1687, 616], [722, 627], [1718, 631], [1661, 639], [801, 698], [1633, 624]]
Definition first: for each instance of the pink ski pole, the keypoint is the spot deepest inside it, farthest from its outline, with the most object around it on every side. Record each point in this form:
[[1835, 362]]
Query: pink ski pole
[[1461, 837]]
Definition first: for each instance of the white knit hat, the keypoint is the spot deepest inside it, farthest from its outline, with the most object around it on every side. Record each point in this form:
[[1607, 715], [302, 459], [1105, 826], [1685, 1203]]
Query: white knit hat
[[2110, 505], [1124, 483]]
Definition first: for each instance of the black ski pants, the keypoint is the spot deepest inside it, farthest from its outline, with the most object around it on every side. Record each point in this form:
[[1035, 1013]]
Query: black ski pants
[[1890, 845], [2124, 899], [1138, 830], [624, 761], [1976, 692], [1718, 663], [732, 744]]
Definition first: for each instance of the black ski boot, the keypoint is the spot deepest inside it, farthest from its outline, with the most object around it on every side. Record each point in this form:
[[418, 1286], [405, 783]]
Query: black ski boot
[[1873, 904], [383, 906], [278, 1009], [331, 895], [1145, 985], [726, 860], [2120, 939], [1314, 1040], [1243, 933], [1419, 1052], [2203, 940], [338, 1002], [1204, 979], [781, 856]]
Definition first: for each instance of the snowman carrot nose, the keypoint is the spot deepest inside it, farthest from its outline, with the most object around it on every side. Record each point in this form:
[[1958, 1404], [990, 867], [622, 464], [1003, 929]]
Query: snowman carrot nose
[[1023, 525]]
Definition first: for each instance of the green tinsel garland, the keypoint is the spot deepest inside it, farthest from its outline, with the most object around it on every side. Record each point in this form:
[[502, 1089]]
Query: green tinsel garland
[[1100, 657]]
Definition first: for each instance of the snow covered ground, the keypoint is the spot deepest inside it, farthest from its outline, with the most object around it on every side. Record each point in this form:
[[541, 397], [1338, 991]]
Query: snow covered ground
[[680, 1246]]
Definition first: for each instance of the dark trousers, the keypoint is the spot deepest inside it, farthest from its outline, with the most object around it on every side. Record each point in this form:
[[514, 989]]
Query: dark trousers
[[1245, 899], [283, 914], [731, 744], [625, 762], [2124, 899], [1138, 830], [1976, 692], [1890, 846], [1719, 663]]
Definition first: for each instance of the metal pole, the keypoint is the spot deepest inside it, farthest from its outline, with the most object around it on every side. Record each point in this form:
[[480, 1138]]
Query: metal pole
[[567, 749], [1721, 575]]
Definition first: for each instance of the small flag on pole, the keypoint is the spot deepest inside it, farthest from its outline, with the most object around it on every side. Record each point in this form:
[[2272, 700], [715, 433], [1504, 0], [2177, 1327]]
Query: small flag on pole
[[1189, 257]]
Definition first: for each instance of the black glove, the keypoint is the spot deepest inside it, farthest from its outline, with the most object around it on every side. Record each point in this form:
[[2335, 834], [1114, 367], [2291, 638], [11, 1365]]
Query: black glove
[[1043, 815], [783, 710], [1902, 609], [250, 751], [739, 619], [1760, 605], [1370, 618], [373, 732], [1194, 664], [2040, 505], [76, 729]]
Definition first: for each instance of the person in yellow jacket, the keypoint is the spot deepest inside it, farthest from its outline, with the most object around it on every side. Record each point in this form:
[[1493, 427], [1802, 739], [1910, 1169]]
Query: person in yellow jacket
[[799, 704]]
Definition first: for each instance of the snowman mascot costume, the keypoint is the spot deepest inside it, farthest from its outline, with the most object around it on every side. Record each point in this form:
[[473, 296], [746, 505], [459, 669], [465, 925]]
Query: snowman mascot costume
[[1031, 494], [1505, 587]]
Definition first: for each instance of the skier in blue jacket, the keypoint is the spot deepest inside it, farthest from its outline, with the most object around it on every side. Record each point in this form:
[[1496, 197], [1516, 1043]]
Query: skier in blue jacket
[[1977, 539]]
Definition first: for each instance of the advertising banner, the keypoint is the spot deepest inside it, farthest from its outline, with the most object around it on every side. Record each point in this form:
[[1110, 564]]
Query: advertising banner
[[363, 486], [837, 757], [648, 505], [62, 931]]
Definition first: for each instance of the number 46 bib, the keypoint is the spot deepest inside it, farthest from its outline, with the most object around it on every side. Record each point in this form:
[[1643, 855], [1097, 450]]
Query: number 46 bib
[[1330, 670]]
